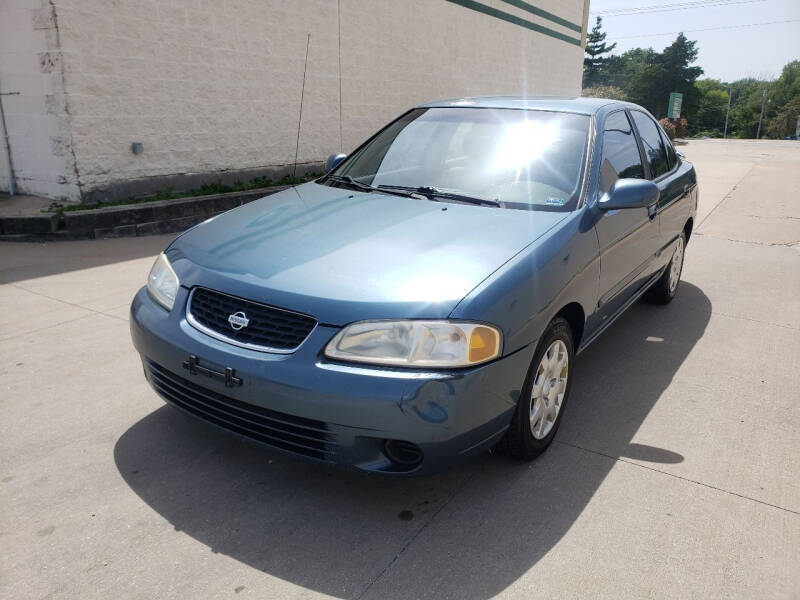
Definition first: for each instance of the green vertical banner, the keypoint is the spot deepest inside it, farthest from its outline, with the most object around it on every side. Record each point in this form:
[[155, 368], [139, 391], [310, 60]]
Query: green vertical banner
[[674, 106]]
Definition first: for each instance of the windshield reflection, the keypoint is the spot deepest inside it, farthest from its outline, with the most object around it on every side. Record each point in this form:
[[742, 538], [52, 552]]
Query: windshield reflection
[[527, 159]]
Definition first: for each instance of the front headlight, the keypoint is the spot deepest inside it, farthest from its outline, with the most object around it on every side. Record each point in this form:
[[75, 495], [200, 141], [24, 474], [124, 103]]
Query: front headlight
[[425, 344], [162, 283]]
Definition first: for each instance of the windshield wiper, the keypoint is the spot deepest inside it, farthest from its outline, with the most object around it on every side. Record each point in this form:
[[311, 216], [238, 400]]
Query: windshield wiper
[[360, 185], [350, 181], [433, 193]]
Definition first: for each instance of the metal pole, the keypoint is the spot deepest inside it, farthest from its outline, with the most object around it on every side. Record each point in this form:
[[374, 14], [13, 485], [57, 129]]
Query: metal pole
[[4, 133], [761, 116], [727, 112]]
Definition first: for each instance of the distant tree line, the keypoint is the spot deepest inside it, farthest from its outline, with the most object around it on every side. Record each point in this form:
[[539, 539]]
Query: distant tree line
[[647, 77]]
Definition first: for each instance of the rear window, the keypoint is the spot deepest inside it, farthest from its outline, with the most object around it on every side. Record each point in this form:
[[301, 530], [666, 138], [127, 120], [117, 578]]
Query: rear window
[[653, 146]]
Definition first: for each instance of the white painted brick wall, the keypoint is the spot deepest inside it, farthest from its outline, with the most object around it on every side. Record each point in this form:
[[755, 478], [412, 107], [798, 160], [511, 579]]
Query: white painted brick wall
[[431, 49], [39, 134], [214, 85]]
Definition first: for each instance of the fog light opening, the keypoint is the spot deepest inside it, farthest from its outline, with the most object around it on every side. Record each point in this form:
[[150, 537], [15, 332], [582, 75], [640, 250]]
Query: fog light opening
[[403, 453]]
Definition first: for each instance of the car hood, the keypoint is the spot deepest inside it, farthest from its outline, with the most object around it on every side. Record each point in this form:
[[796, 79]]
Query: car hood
[[343, 255]]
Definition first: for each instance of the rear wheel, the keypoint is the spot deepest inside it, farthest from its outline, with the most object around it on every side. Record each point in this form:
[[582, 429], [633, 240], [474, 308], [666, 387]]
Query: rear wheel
[[544, 394], [663, 290]]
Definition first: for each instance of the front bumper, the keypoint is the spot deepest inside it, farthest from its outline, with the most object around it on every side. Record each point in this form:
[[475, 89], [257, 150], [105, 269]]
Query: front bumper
[[306, 405]]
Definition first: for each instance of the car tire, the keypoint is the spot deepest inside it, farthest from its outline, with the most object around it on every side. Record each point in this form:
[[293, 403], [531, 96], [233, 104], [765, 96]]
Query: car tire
[[664, 290], [544, 394]]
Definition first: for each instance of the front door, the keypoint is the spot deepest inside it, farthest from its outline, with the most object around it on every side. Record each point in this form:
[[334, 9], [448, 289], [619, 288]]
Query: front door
[[629, 239], [664, 171]]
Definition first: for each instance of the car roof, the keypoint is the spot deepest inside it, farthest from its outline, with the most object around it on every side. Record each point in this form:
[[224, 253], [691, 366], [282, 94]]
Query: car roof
[[586, 106]]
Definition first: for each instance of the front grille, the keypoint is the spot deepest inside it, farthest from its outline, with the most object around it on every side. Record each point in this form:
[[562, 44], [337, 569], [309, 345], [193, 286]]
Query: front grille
[[269, 328], [288, 432]]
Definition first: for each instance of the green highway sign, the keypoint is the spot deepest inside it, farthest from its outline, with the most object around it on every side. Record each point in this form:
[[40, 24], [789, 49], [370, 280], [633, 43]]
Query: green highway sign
[[674, 106]]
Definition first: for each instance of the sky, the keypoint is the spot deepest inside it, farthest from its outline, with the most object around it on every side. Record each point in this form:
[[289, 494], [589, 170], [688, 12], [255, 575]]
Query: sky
[[728, 54]]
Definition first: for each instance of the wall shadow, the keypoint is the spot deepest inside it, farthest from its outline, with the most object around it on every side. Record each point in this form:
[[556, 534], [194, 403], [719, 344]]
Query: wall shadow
[[467, 533], [29, 260]]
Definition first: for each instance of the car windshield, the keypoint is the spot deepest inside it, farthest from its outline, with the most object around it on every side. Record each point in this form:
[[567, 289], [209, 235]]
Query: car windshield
[[525, 159]]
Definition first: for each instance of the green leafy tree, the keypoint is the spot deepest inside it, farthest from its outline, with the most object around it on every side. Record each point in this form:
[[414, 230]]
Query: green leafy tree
[[647, 77], [711, 107], [780, 101], [666, 72], [746, 97], [605, 91], [785, 121], [786, 87], [621, 71], [596, 47]]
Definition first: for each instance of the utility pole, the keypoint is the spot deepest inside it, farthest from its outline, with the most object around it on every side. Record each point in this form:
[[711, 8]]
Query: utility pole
[[761, 116], [727, 112]]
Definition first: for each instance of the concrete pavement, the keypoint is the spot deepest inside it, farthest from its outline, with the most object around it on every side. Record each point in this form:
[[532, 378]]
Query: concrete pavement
[[675, 474]]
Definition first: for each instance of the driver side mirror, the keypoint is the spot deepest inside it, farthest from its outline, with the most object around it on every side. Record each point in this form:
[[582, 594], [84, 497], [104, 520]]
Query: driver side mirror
[[334, 160], [630, 193]]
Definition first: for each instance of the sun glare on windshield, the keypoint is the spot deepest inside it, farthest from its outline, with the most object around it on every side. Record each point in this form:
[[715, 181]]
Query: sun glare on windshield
[[521, 143], [522, 159]]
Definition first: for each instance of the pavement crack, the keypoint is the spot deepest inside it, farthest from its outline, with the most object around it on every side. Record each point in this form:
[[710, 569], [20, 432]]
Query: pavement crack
[[773, 218], [32, 331], [95, 311], [727, 195], [750, 242], [759, 321], [686, 479]]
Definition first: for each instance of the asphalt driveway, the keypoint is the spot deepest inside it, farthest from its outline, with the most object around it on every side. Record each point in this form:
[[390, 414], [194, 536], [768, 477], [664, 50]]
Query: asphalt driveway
[[676, 473]]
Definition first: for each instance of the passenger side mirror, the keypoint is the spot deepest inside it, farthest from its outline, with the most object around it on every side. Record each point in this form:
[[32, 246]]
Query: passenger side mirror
[[333, 161], [629, 193]]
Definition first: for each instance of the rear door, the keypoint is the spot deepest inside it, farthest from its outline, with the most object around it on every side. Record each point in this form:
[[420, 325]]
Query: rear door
[[629, 239]]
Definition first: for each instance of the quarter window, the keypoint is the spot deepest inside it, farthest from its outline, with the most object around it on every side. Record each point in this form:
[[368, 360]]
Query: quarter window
[[621, 158], [653, 146], [671, 155]]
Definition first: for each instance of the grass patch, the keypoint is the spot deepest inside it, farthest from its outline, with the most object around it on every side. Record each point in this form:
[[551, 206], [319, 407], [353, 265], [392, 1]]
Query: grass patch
[[204, 190]]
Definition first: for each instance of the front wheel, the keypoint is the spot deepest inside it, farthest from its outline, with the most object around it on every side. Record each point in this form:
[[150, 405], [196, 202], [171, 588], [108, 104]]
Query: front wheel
[[663, 290], [544, 394]]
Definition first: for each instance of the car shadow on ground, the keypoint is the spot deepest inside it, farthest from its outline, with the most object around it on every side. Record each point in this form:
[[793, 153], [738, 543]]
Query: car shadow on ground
[[468, 533]]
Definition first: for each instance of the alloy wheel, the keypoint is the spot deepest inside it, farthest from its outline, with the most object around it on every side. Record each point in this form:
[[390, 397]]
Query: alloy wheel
[[676, 266], [549, 387]]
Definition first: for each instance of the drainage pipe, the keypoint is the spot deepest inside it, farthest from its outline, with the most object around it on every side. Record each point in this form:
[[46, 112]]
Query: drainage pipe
[[7, 146]]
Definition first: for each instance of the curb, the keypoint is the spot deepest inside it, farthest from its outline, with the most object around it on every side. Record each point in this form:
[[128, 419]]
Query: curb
[[132, 220]]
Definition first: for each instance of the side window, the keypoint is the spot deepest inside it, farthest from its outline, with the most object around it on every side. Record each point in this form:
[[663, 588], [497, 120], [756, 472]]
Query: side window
[[621, 158], [651, 140], [672, 157]]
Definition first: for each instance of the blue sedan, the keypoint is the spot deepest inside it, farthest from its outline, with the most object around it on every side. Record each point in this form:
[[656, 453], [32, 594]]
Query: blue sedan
[[425, 299]]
